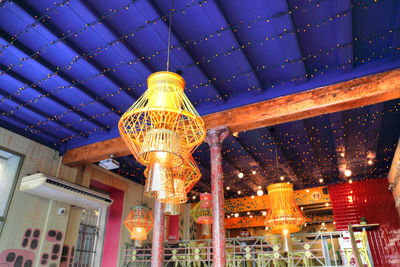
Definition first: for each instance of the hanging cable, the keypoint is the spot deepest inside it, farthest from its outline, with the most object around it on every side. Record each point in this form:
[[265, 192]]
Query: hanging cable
[[276, 158], [169, 33]]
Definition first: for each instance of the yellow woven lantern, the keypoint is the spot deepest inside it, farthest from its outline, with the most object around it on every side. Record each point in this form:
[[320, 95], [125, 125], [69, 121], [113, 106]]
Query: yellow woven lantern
[[139, 223], [184, 178], [284, 217], [162, 129]]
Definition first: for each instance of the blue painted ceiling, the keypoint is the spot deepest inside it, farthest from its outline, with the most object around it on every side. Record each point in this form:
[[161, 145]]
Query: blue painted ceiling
[[69, 69]]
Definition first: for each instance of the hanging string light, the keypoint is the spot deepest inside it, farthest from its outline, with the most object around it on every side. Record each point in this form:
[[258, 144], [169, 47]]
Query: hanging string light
[[202, 213], [284, 216], [162, 129]]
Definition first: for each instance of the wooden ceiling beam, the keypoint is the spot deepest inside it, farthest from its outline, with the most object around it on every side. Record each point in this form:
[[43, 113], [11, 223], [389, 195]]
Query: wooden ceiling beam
[[328, 99]]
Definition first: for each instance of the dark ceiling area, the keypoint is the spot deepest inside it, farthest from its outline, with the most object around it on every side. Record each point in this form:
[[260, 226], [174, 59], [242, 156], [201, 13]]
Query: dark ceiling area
[[361, 140], [69, 69]]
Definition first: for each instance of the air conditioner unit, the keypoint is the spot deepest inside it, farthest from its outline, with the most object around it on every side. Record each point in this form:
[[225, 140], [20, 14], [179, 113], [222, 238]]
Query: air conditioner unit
[[47, 186]]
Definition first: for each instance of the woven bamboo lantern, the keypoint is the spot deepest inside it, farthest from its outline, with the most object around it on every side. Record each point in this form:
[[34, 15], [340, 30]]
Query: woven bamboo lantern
[[184, 178], [202, 212], [162, 129], [139, 223], [284, 217]]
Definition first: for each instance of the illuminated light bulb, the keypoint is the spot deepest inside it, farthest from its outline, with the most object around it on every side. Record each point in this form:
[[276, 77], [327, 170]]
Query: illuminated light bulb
[[342, 155], [252, 196], [228, 188], [264, 213], [321, 180], [236, 215], [334, 222], [240, 175], [259, 187], [260, 192], [193, 197], [251, 216], [370, 162], [347, 173], [228, 216], [253, 172], [327, 204], [248, 213], [231, 214], [301, 208], [239, 192], [350, 181], [282, 178], [308, 190], [266, 228]]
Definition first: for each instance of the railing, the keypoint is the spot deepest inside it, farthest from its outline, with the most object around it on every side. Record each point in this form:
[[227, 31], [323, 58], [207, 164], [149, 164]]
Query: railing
[[316, 249]]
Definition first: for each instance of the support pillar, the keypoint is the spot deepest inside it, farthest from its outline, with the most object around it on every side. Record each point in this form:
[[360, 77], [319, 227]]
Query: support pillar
[[157, 250], [215, 138], [394, 177]]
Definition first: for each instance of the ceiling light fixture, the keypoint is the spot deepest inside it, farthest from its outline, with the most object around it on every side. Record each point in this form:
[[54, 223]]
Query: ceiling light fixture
[[239, 192], [162, 129], [240, 175], [321, 180], [236, 215], [253, 172], [347, 173], [228, 188]]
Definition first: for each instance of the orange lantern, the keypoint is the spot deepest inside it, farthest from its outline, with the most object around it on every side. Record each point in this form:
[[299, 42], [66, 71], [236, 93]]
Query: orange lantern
[[162, 129], [284, 217], [139, 223]]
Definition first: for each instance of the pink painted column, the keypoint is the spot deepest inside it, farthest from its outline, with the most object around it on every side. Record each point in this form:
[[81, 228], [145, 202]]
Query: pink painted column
[[215, 138], [157, 250]]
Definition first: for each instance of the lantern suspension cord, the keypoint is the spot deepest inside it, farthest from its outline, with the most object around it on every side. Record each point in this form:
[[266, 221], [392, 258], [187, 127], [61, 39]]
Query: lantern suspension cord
[[169, 33], [276, 158]]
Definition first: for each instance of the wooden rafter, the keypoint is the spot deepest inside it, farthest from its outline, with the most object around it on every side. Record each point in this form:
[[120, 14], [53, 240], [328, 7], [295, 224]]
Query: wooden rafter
[[332, 98]]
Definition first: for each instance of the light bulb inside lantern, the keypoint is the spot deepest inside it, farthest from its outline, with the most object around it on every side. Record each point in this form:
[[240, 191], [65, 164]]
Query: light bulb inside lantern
[[160, 182], [139, 233]]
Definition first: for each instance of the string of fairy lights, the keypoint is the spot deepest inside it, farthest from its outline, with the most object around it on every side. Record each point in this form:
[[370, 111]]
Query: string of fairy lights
[[97, 75], [42, 127], [258, 68], [33, 128], [267, 147]]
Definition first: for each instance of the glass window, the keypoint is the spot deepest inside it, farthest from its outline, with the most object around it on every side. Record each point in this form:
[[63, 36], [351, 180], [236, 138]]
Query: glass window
[[9, 169]]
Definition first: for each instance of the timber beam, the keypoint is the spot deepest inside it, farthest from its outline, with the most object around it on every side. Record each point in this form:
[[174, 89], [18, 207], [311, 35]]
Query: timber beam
[[356, 93]]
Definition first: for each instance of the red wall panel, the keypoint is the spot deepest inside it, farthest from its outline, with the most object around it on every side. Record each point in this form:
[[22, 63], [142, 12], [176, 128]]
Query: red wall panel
[[372, 200]]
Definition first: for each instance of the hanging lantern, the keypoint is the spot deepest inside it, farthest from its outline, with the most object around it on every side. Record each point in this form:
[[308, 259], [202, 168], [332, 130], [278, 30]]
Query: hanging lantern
[[284, 217], [139, 223], [202, 212], [184, 178], [162, 129]]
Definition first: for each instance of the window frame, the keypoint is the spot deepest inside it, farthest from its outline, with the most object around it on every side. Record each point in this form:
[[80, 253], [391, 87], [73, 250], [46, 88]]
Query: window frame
[[3, 219]]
